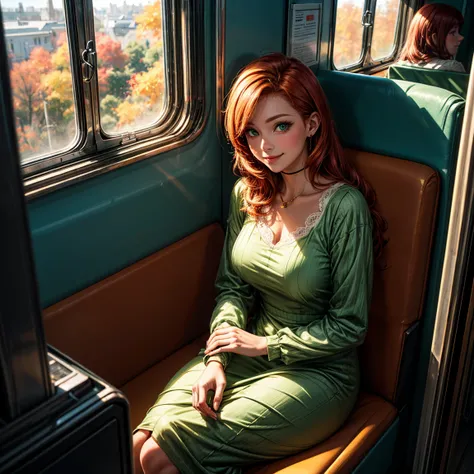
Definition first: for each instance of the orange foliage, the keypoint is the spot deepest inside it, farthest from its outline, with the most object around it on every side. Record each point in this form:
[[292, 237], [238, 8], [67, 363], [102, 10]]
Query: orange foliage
[[385, 24], [41, 60], [128, 112], [61, 58], [150, 20], [348, 37], [103, 78], [150, 84], [27, 90], [29, 140], [109, 52]]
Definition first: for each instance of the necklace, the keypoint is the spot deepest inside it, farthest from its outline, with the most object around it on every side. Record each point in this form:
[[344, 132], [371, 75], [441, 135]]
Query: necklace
[[295, 172], [285, 204]]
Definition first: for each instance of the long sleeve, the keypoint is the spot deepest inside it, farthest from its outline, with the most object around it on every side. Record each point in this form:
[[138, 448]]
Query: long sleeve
[[234, 296], [344, 325]]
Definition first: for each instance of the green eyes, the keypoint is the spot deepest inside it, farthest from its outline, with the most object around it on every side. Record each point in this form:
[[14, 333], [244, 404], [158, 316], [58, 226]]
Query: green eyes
[[282, 127], [279, 127]]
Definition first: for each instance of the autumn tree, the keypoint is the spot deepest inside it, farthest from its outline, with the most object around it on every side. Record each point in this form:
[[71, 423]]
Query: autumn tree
[[29, 139], [152, 55], [103, 78], [136, 53], [118, 83], [128, 111], [59, 98], [61, 58], [385, 23], [41, 60], [348, 37], [27, 91], [109, 52], [150, 84], [150, 21], [108, 106]]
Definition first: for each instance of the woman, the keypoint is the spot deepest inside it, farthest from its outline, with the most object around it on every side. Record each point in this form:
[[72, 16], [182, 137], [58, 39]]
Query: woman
[[280, 371], [433, 38]]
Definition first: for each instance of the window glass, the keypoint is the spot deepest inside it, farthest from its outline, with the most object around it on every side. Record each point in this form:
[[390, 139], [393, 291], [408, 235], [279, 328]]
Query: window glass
[[385, 24], [129, 45], [348, 36], [40, 76]]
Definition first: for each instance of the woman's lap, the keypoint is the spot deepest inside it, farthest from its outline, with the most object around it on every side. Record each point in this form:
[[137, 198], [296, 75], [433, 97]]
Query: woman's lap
[[268, 411]]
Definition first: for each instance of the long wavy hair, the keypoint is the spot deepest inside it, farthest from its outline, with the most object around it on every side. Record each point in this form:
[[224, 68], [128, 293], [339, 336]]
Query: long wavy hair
[[278, 74], [428, 31]]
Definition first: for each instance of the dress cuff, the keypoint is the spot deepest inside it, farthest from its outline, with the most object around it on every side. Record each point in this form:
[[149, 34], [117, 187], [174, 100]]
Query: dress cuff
[[273, 347], [222, 358]]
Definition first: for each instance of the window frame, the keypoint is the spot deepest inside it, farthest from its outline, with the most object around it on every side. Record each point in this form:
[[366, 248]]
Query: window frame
[[365, 63], [93, 152]]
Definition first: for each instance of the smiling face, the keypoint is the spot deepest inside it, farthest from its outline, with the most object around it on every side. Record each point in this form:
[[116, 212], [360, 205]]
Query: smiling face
[[277, 134], [453, 40]]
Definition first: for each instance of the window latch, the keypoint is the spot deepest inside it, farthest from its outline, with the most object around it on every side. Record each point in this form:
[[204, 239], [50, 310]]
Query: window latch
[[88, 59], [367, 18]]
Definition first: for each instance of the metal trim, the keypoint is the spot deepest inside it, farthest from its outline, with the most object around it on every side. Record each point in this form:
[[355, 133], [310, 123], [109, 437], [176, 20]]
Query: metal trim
[[454, 268]]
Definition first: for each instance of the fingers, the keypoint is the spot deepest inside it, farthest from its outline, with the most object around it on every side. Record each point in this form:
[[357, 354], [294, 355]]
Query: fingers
[[219, 342], [203, 407], [199, 394], [220, 387], [227, 331]]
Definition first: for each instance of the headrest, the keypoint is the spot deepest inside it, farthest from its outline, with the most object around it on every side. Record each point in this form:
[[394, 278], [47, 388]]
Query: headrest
[[456, 82], [395, 118]]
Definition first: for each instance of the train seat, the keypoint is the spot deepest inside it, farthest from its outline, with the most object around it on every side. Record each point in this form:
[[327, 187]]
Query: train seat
[[456, 82], [147, 320]]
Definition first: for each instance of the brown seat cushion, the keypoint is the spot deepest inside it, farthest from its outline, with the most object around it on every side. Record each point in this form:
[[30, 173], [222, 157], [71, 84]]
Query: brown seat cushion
[[340, 453], [407, 196], [140, 315]]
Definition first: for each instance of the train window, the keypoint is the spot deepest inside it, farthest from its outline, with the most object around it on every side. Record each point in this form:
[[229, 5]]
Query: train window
[[41, 82], [365, 33], [132, 82], [348, 36], [106, 86], [385, 25]]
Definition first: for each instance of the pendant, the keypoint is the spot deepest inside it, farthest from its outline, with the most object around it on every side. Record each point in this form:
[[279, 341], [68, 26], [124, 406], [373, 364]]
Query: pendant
[[283, 205]]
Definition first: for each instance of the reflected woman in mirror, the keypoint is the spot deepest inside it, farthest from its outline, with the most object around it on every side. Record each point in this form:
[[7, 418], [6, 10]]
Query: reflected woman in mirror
[[434, 38]]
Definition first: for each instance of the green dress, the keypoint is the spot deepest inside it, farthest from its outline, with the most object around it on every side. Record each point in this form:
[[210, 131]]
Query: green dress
[[309, 295]]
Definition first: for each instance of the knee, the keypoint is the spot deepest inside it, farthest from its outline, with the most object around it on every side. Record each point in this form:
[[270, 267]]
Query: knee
[[139, 439], [152, 457]]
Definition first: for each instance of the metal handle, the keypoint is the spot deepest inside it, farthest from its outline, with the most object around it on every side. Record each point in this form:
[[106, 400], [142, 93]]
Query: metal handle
[[367, 18], [88, 58]]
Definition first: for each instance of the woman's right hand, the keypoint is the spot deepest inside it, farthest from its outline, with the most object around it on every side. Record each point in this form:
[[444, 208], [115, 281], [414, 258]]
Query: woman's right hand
[[212, 378]]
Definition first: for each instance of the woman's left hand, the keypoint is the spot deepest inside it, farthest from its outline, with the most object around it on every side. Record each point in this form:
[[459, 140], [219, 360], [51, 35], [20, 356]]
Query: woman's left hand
[[232, 339]]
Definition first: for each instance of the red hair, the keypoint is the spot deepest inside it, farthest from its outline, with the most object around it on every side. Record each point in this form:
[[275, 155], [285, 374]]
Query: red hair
[[428, 31], [278, 74]]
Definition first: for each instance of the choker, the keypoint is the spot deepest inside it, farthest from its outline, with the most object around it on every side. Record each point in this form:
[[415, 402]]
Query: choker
[[295, 172]]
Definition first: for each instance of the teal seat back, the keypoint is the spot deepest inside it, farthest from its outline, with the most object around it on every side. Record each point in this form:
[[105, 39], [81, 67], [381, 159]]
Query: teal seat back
[[416, 122], [456, 82]]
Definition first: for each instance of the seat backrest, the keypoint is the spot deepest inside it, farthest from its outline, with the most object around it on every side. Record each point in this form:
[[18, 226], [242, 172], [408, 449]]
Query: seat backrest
[[420, 123], [456, 82], [407, 195]]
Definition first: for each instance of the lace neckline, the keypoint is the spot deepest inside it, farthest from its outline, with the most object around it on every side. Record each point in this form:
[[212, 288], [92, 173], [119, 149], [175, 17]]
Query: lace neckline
[[311, 221]]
